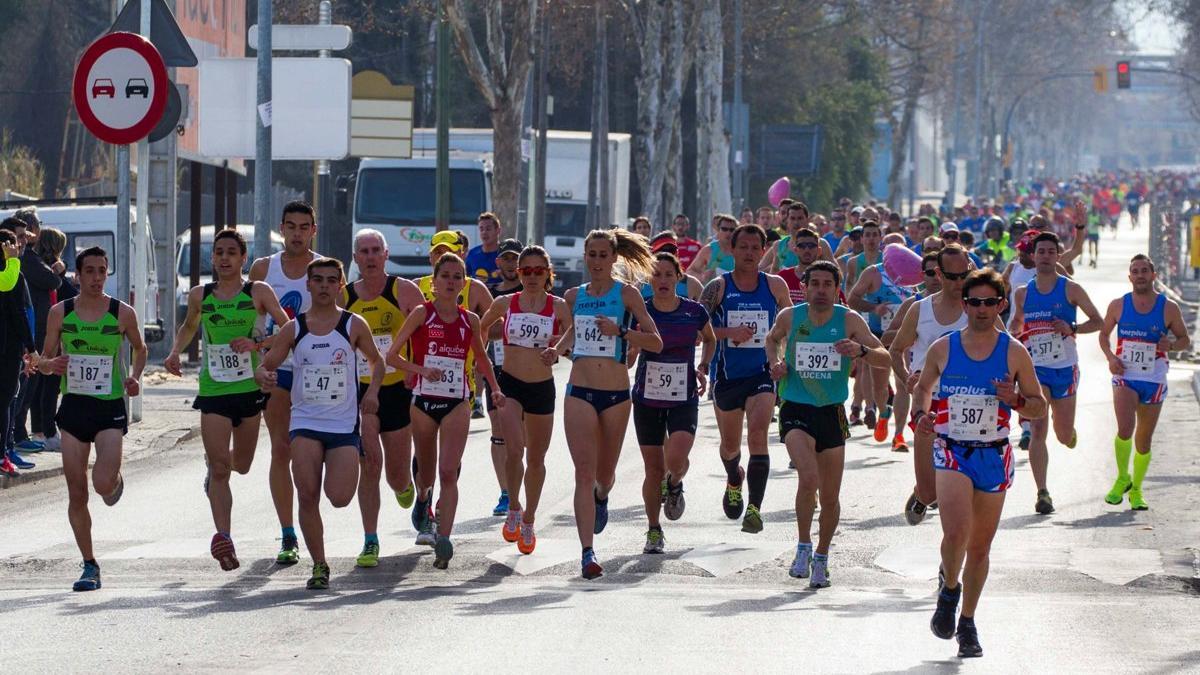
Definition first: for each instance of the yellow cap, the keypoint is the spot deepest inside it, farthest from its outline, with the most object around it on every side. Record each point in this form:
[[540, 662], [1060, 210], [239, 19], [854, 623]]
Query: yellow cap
[[448, 238]]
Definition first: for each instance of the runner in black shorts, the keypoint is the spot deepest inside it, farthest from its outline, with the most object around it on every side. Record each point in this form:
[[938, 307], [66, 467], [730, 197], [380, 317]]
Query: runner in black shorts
[[666, 395], [507, 257], [229, 400]]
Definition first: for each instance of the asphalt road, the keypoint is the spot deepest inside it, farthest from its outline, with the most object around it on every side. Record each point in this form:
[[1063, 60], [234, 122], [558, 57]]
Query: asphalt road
[[1091, 587]]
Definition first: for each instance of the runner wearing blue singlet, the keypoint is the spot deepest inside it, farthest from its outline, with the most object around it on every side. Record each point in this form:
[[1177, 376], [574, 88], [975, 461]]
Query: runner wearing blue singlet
[[716, 257], [1148, 325], [1043, 317], [980, 376], [743, 305], [597, 400]]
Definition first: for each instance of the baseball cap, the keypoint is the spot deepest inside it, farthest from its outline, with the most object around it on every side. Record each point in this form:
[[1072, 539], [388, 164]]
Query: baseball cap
[[447, 238], [948, 227], [664, 241], [857, 210], [510, 246], [1025, 243]]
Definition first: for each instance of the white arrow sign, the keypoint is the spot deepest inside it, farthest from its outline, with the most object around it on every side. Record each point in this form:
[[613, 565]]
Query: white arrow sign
[[304, 37]]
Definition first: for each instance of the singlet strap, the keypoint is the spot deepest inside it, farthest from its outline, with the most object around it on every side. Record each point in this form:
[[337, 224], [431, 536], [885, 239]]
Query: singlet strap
[[389, 290], [351, 294], [248, 289], [301, 327], [208, 289], [114, 308], [68, 306], [343, 325]]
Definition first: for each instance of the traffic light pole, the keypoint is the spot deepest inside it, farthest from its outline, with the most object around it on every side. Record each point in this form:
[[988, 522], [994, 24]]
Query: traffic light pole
[[1012, 107]]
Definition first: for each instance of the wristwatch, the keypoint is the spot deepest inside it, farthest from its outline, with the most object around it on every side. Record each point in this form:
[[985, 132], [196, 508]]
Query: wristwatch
[[862, 350], [624, 331]]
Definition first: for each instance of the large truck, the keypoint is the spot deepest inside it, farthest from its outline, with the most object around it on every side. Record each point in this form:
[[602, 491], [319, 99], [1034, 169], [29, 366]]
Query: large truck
[[398, 198], [567, 157]]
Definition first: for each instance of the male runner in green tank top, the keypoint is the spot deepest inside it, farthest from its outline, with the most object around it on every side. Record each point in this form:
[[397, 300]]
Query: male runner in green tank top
[[89, 330], [229, 401], [810, 349]]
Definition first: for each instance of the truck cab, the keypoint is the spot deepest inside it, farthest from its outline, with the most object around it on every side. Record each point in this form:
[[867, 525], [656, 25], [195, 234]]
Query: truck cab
[[398, 197]]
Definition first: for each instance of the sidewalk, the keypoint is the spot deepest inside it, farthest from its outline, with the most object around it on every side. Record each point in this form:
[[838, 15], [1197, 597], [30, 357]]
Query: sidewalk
[[168, 421]]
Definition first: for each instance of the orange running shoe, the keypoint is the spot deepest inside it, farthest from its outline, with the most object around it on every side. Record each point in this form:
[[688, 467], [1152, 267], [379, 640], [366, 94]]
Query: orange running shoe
[[898, 444], [511, 530], [881, 426], [528, 539]]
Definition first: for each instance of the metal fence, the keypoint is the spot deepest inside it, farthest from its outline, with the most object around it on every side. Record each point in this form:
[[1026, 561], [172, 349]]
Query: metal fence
[[1169, 242]]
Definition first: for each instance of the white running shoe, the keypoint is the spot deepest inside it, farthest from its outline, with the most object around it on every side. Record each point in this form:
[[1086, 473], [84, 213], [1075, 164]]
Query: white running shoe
[[802, 562]]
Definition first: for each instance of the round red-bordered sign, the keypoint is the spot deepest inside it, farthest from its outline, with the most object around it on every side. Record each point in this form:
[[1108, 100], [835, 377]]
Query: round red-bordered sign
[[120, 88]]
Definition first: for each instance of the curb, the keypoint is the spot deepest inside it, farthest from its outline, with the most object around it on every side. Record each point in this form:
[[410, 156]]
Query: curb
[[1196, 385], [169, 439]]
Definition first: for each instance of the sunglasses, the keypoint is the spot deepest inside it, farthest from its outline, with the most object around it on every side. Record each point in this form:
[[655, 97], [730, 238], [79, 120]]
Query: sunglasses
[[983, 302], [954, 276], [855, 236], [806, 246], [931, 273], [949, 235], [532, 271], [728, 229]]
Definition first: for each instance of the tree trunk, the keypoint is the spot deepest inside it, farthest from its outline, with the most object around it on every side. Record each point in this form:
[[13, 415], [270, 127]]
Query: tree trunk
[[673, 181], [712, 146], [900, 136], [506, 176]]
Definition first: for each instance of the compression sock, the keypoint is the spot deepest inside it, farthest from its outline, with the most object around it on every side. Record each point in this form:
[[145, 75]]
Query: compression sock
[[733, 472], [289, 532], [1141, 462], [372, 538], [757, 472], [1122, 447]]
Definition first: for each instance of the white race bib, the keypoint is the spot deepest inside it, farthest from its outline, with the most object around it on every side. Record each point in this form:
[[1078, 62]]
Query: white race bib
[[589, 341], [1046, 348], [886, 319], [497, 354], [227, 365], [323, 384], [383, 343], [666, 381], [974, 417], [452, 383], [526, 329], [757, 320], [1137, 357], [817, 357], [89, 375]]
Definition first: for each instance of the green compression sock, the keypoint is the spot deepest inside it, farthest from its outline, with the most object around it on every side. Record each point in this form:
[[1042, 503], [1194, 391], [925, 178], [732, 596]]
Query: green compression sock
[[1141, 462], [1123, 447]]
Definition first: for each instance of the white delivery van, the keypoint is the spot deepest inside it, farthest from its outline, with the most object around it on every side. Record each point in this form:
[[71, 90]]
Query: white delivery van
[[183, 260], [93, 222], [398, 197]]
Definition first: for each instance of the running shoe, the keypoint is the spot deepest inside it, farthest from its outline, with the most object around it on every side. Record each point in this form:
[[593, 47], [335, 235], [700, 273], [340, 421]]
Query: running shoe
[[1136, 502], [425, 535], [1117, 494], [898, 444], [881, 429], [29, 445], [1026, 437], [1074, 440], [476, 409], [1044, 504], [289, 552], [53, 443], [820, 573], [319, 580], [528, 540], [869, 418], [601, 513], [419, 513], [655, 541], [802, 563], [943, 622], [501, 507], [223, 552], [731, 501], [112, 499], [591, 568], [406, 496], [968, 641], [19, 461], [443, 551], [752, 523], [89, 580], [7, 468], [675, 502], [855, 415], [914, 510], [933, 505], [511, 530], [369, 556]]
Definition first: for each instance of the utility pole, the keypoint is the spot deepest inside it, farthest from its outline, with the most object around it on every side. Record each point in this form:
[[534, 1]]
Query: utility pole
[[442, 217], [262, 138], [603, 216], [591, 219], [537, 225], [977, 147], [735, 113], [955, 150], [326, 233]]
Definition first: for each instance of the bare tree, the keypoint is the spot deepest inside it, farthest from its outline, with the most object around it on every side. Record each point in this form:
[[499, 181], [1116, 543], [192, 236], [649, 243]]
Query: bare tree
[[501, 81], [712, 146]]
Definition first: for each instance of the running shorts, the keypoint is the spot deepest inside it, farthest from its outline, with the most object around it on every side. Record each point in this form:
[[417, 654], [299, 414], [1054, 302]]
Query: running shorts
[[1062, 382], [654, 425], [86, 416], [394, 405], [236, 407], [733, 394], [1148, 393], [536, 398], [990, 467], [825, 424], [330, 439]]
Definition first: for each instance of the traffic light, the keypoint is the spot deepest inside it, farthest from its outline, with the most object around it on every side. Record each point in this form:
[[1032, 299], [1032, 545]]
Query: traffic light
[[1100, 79], [1123, 75]]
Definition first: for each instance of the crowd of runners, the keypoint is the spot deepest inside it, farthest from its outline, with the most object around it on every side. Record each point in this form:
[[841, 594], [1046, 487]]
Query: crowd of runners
[[796, 325]]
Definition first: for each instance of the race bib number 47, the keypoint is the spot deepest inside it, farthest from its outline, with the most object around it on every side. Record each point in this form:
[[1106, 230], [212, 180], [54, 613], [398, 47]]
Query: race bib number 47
[[324, 384]]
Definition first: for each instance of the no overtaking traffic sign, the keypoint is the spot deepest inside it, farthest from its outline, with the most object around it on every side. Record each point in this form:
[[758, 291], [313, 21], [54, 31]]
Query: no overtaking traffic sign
[[120, 88]]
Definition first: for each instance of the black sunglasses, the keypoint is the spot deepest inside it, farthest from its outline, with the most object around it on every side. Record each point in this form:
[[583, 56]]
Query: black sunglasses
[[931, 273], [982, 302], [806, 246], [728, 229], [954, 276], [855, 236]]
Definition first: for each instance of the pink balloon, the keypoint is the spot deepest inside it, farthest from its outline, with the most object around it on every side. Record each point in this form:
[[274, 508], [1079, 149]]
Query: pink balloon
[[902, 265], [779, 191]]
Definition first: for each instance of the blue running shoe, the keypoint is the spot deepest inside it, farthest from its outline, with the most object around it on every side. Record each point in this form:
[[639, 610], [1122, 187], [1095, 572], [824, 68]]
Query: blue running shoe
[[419, 511], [501, 505], [601, 513], [591, 567], [19, 461], [30, 445], [90, 579]]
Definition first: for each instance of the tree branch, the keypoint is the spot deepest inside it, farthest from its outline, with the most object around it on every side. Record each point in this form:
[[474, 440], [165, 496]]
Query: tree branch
[[477, 70]]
